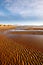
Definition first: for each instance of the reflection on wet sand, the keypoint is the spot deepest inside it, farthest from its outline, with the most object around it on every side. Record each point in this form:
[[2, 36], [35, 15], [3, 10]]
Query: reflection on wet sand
[[20, 49], [27, 40]]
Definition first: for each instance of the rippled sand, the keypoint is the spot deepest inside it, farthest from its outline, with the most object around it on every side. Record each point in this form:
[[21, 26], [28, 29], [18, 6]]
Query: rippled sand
[[12, 53], [21, 49]]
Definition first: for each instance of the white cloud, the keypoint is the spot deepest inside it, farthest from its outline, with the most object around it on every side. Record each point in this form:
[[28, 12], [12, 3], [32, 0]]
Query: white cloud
[[25, 7]]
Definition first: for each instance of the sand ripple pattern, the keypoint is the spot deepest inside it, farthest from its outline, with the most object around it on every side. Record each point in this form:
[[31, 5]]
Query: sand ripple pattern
[[12, 53]]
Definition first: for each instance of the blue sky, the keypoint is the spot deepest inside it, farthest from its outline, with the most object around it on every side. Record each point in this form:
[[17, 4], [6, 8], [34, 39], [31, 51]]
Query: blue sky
[[27, 12]]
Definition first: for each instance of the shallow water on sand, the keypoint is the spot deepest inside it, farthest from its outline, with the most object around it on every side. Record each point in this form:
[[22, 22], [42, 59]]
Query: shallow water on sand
[[28, 40], [13, 30]]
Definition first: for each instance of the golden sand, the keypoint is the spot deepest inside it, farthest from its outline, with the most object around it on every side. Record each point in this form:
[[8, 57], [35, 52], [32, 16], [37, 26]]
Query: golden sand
[[11, 53], [15, 53]]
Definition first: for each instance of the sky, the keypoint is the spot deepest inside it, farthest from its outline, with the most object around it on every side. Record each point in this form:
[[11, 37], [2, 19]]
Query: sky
[[25, 12]]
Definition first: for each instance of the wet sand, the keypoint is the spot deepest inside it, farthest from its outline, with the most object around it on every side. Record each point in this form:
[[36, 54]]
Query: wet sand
[[26, 39], [29, 41], [20, 49]]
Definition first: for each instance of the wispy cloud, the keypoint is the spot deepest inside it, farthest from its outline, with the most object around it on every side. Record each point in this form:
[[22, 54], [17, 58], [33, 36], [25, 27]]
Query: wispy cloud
[[25, 8]]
